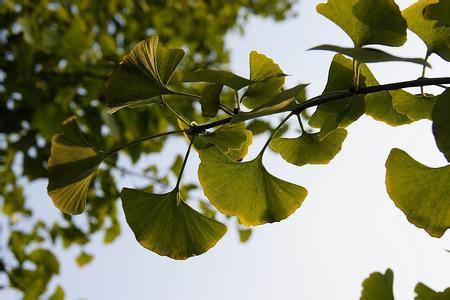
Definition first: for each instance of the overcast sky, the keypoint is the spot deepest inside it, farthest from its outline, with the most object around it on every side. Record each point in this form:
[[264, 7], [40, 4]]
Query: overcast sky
[[347, 227]]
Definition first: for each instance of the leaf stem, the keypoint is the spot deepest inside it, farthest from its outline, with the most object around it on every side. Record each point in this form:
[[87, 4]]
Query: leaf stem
[[238, 104], [274, 133], [138, 141], [184, 162], [300, 123], [424, 69], [186, 94], [170, 108]]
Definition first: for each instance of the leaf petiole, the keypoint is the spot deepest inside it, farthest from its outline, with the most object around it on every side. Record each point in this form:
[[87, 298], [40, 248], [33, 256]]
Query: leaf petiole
[[184, 162]]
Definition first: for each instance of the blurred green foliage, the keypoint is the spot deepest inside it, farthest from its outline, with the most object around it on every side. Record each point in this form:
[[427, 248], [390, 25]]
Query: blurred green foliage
[[54, 59]]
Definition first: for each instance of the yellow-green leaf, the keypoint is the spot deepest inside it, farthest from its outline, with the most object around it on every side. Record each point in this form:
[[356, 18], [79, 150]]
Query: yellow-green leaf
[[84, 259], [308, 148], [142, 75], [267, 79], [437, 38], [367, 21], [423, 292], [247, 190], [378, 286], [71, 167], [416, 107], [164, 224], [420, 192], [441, 123]]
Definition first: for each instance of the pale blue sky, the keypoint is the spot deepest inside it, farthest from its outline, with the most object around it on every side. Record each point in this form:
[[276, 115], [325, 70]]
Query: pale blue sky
[[346, 228]]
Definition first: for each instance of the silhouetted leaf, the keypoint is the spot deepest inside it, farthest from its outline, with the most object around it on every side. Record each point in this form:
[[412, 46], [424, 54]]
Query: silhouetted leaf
[[441, 123], [143, 75], [168, 226], [367, 21], [436, 38], [71, 167], [308, 148], [421, 192], [378, 286], [369, 55], [247, 190]]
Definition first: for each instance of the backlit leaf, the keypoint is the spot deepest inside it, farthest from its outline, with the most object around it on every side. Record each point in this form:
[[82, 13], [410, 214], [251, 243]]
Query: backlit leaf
[[219, 77], [247, 190], [421, 192], [367, 21], [441, 123], [142, 75], [71, 167], [436, 38], [369, 55], [439, 11], [281, 102], [271, 76], [308, 148], [416, 107], [163, 223], [378, 286]]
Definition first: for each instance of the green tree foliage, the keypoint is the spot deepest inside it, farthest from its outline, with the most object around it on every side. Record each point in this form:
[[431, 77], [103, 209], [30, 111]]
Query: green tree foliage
[[55, 57], [150, 93]]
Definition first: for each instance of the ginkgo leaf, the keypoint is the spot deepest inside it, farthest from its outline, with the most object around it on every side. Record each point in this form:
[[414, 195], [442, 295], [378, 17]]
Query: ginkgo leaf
[[232, 139], [164, 224], [247, 190], [308, 148], [367, 21], [378, 286], [267, 79], [142, 76], [423, 292], [441, 123], [420, 192], [83, 259], [281, 102], [439, 11], [380, 106], [343, 112], [369, 55], [219, 77], [416, 107], [210, 100], [435, 37], [71, 167]]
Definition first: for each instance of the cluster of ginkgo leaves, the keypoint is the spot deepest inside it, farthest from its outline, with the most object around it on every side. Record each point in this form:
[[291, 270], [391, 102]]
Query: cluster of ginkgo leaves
[[167, 225]]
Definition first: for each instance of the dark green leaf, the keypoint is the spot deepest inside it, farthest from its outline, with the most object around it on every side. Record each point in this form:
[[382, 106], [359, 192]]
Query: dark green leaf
[[71, 167], [369, 55], [378, 286], [441, 123], [168, 226], [423, 292], [367, 21], [439, 11], [308, 148], [247, 190], [143, 75], [210, 100], [421, 192]]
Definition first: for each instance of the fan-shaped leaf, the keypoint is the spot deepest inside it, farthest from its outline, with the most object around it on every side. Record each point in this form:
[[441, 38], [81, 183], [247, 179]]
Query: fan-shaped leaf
[[308, 148], [439, 11], [210, 100], [142, 75], [168, 226], [247, 190], [369, 55], [367, 21], [219, 77], [441, 123], [267, 80], [421, 192], [378, 286], [416, 107], [436, 38], [281, 102], [71, 167]]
